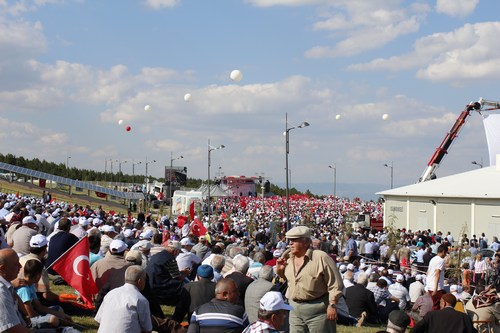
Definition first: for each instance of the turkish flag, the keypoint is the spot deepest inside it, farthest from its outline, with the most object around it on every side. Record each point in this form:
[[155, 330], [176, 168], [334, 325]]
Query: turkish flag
[[225, 227], [198, 228], [74, 268], [100, 194], [181, 220], [191, 210], [243, 203]]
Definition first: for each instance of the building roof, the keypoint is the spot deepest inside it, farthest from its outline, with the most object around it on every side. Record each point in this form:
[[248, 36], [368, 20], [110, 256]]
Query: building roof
[[479, 183]]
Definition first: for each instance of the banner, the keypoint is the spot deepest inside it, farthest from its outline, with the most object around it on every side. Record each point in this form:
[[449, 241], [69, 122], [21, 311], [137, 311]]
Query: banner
[[492, 129]]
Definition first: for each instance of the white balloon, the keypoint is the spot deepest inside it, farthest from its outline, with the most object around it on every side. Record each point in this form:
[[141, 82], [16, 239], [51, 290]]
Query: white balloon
[[236, 75], [337, 117], [187, 97], [385, 116], [120, 121], [147, 108]]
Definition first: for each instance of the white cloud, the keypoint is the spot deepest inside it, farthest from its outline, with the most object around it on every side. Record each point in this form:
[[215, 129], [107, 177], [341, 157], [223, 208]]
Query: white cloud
[[368, 25], [457, 8], [469, 52], [158, 4], [271, 3]]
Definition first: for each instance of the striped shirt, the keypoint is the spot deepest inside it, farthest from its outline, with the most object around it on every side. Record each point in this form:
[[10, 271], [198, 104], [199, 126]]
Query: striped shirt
[[218, 316]]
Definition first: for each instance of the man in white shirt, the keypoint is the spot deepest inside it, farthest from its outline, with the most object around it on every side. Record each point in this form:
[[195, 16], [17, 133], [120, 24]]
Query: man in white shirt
[[417, 288], [399, 291], [435, 276], [125, 309]]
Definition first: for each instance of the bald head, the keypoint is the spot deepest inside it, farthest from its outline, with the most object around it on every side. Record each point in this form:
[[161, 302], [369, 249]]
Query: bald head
[[9, 264], [227, 290]]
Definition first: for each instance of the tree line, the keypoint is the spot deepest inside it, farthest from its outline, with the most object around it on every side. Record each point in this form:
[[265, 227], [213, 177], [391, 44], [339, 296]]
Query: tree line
[[60, 169]]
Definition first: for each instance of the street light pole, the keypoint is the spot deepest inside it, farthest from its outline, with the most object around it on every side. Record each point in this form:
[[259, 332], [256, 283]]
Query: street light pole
[[133, 172], [210, 149], [334, 167], [120, 169], [170, 180], [67, 166], [287, 150], [392, 173], [147, 179]]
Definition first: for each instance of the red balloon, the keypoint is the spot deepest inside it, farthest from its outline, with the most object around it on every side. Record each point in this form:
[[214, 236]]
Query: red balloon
[[128, 128]]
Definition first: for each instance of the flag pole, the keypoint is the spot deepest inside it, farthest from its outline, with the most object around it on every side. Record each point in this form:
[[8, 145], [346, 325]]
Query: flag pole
[[67, 250]]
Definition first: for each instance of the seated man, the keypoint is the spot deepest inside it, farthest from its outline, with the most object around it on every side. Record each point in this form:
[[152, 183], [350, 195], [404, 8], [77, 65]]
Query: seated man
[[386, 303], [165, 279], [11, 319], [397, 322], [40, 315], [222, 314], [272, 314], [361, 301], [125, 309], [446, 320]]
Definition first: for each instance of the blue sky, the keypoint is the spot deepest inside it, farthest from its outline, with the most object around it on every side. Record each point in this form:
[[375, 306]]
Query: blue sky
[[69, 70]]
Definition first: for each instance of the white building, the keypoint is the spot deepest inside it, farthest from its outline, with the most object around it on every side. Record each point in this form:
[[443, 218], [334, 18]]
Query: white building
[[470, 199]]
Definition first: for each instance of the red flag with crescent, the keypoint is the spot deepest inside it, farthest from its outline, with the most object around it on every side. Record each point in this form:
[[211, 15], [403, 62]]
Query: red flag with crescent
[[198, 229], [74, 268]]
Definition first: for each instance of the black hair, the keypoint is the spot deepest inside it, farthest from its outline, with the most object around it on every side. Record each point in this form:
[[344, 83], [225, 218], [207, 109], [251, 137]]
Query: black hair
[[32, 268]]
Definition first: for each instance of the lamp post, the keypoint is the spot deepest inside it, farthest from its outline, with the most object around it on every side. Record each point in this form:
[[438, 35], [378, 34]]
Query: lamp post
[[133, 172], [392, 172], [112, 168], [147, 179], [287, 150], [480, 164], [210, 149], [67, 166], [120, 169], [170, 180], [334, 167]]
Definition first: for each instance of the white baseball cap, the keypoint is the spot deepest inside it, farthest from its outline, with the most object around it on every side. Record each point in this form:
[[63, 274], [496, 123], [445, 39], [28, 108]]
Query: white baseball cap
[[38, 241], [117, 246], [186, 242], [273, 301], [29, 219]]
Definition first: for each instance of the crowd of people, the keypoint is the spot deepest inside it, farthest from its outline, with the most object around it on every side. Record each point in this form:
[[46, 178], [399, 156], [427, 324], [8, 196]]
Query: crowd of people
[[242, 271]]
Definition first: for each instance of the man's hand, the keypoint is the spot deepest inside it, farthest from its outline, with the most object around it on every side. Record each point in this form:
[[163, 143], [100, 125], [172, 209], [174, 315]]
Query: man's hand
[[18, 283], [331, 313], [280, 267]]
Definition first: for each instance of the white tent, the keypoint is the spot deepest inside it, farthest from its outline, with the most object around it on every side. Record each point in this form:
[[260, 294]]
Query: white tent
[[468, 201], [215, 191]]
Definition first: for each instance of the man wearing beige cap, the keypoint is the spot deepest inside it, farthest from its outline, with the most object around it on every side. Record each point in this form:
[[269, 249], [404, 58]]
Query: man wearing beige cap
[[314, 284]]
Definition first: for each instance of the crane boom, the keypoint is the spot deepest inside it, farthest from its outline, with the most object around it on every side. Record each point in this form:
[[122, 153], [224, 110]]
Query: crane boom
[[442, 150]]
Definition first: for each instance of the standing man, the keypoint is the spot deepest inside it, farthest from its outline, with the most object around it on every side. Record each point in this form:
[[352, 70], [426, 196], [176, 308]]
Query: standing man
[[314, 284], [11, 319], [125, 309], [351, 249], [434, 283]]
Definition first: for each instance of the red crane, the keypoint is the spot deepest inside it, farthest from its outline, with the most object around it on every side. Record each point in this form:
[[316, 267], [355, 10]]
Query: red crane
[[442, 150]]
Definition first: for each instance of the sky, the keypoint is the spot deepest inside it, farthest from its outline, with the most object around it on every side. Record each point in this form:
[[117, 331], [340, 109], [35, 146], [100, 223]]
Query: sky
[[70, 70]]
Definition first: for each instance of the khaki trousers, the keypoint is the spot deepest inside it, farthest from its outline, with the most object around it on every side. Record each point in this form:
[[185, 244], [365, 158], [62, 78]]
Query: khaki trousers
[[310, 317]]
